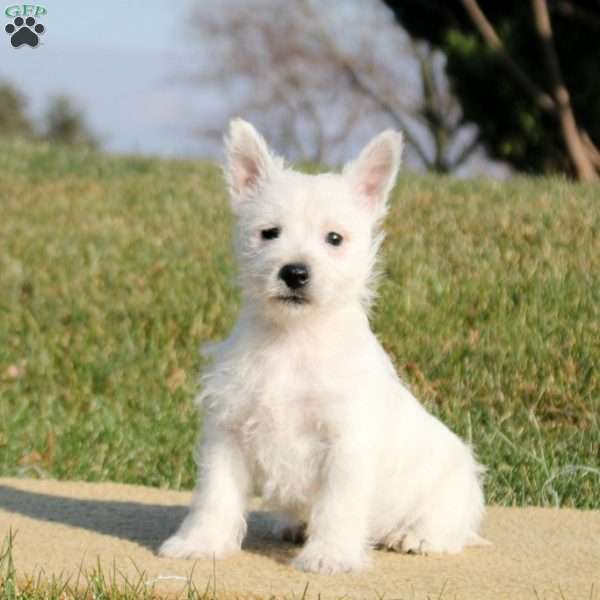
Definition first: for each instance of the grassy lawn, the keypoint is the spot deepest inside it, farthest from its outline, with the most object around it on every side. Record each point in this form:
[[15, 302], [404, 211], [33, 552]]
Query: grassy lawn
[[113, 270]]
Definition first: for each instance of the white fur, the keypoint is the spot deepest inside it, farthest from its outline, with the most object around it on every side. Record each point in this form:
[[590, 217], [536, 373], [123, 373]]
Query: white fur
[[303, 401]]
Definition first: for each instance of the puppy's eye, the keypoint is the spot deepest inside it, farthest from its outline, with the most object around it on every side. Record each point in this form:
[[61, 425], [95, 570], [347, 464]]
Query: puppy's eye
[[271, 233], [333, 238]]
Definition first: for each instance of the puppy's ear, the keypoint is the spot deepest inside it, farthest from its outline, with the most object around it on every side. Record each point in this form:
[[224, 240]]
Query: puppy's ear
[[249, 163], [373, 173]]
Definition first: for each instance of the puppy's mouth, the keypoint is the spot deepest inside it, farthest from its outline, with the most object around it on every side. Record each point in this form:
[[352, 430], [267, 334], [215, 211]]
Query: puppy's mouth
[[295, 299]]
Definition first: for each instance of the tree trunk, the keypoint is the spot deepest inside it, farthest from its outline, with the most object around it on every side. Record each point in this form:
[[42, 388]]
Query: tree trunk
[[577, 152]]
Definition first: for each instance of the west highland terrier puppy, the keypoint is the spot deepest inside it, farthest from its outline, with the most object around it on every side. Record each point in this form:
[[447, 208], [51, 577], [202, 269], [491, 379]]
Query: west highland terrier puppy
[[301, 399]]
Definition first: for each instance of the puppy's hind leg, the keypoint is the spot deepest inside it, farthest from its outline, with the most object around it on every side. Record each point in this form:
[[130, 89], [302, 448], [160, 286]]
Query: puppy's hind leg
[[450, 518], [215, 525]]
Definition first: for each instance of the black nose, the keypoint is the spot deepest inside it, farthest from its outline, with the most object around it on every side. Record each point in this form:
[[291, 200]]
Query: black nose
[[295, 275]]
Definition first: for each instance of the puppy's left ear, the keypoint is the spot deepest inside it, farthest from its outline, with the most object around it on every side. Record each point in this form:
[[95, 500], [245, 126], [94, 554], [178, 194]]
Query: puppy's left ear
[[250, 163], [373, 173]]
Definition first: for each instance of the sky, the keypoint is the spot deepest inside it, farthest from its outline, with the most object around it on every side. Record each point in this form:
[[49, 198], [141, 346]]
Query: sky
[[127, 64], [120, 61]]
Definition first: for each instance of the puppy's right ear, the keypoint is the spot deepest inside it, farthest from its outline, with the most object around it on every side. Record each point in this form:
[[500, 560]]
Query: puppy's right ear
[[374, 172], [249, 163]]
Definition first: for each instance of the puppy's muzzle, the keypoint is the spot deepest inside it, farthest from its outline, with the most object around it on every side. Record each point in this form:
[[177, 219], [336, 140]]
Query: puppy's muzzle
[[295, 275]]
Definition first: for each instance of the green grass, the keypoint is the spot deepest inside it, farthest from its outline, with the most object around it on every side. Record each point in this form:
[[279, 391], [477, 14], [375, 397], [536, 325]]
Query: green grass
[[113, 271]]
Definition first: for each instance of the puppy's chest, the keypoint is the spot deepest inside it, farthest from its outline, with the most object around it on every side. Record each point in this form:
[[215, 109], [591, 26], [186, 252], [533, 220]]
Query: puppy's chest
[[283, 411], [285, 394], [284, 432]]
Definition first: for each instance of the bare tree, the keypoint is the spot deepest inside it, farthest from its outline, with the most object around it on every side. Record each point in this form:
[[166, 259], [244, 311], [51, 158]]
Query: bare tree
[[317, 77]]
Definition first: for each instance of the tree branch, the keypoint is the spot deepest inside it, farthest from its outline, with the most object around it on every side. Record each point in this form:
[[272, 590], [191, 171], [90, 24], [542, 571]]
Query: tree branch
[[487, 31], [384, 103], [571, 10]]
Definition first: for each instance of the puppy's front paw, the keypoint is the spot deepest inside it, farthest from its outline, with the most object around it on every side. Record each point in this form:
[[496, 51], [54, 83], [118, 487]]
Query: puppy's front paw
[[198, 544], [318, 557]]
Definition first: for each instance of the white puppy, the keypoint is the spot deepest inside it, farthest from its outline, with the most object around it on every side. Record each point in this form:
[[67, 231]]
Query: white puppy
[[302, 399]]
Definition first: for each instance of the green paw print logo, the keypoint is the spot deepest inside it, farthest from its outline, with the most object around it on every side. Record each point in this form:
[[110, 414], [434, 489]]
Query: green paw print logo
[[24, 29]]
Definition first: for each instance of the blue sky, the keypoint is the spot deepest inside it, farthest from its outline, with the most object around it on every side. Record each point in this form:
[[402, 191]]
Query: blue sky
[[121, 61]]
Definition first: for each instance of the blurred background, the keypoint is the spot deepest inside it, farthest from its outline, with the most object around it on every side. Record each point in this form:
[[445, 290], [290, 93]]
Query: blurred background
[[115, 269], [479, 87]]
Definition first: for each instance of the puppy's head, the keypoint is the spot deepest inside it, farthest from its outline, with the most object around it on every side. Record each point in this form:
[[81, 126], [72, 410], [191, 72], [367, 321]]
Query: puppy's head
[[307, 242]]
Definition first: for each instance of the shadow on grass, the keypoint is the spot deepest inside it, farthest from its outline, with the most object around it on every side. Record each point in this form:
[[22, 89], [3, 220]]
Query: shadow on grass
[[145, 524]]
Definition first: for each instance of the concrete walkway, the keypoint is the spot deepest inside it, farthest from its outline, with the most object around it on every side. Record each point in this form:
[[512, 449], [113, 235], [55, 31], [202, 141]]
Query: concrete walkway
[[537, 553]]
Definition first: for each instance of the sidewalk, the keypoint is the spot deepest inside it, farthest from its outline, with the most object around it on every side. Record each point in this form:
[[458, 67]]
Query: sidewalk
[[61, 526]]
